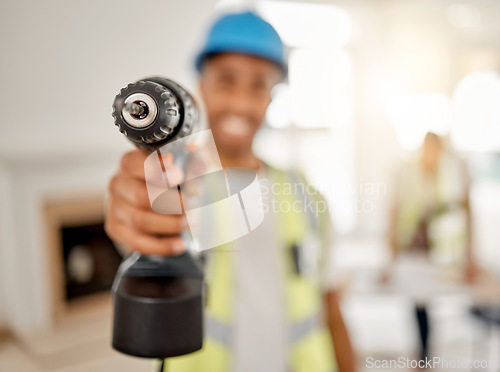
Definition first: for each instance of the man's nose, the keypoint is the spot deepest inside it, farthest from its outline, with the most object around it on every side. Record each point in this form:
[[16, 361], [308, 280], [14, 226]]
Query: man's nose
[[241, 102]]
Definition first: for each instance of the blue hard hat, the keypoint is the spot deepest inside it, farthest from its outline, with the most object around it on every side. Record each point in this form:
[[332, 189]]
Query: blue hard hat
[[244, 33]]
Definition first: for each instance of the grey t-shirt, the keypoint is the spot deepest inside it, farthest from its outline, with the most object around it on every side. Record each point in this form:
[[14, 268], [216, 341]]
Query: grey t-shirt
[[260, 324]]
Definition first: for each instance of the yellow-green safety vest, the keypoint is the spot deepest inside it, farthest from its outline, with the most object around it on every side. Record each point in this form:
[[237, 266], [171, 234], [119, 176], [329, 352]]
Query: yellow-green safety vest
[[447, 242], [310, 346]]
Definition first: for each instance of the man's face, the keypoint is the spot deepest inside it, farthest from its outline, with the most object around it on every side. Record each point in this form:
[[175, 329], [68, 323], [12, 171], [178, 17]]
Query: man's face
[[236, 90], [432, 149]]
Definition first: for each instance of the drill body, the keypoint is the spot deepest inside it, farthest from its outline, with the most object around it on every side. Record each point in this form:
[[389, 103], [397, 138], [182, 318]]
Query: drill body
[[158, 301]]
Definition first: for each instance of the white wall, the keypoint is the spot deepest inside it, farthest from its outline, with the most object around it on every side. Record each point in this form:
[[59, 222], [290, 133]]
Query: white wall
[[5, 224], [62, 64]]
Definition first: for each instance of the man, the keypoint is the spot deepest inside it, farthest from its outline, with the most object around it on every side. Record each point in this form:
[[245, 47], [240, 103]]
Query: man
[[263, 312], [430, 228]]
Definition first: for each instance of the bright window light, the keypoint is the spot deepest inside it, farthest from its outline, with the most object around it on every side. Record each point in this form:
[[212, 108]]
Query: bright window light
[[476, 112], [279, 114], [320, 87], [463, 16], [413, 115], [304, 24]]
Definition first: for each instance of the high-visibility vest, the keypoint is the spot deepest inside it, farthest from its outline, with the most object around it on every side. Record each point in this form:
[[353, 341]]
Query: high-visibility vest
[[445, 192], [310, 347]]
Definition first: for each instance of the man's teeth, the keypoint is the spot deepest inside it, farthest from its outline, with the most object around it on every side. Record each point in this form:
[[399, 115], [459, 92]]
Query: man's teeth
[[236, 126]]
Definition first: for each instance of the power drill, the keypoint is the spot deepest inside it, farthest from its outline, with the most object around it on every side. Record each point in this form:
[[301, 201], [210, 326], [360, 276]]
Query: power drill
[[158, 301]]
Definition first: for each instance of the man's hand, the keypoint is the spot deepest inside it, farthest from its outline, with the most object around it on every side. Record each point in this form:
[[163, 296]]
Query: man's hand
[[471, 272], [130, 221], [344, 351]]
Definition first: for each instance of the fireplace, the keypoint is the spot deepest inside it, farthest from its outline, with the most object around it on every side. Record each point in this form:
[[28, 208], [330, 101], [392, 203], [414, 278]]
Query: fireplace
[[82, 259]]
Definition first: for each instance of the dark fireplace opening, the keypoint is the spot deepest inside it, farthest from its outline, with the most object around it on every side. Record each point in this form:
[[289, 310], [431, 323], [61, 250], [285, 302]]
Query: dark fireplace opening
[[90, 260]]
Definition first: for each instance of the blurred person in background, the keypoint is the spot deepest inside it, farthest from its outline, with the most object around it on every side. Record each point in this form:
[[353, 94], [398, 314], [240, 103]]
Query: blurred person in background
[[264, 311], [430, 227]]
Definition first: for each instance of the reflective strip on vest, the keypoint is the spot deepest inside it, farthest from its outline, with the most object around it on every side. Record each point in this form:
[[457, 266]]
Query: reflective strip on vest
[[300, 330], [223, 333], [219, 331]]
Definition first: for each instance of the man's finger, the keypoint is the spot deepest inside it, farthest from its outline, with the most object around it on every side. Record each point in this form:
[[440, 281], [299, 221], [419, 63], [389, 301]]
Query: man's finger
[[133, 163], [147, 221], [130, 189], [156, 170], [161, 171], [142, 243]]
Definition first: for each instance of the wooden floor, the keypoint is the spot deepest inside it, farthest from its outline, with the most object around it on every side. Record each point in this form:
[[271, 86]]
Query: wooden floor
[[80, 343], [14, 358]]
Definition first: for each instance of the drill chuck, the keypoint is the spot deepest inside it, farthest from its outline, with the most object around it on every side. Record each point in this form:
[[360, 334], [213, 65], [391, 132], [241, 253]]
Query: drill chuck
[[154, 111]]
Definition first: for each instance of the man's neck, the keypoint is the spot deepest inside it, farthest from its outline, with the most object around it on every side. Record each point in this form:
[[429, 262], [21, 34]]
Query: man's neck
[[248, 160]]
